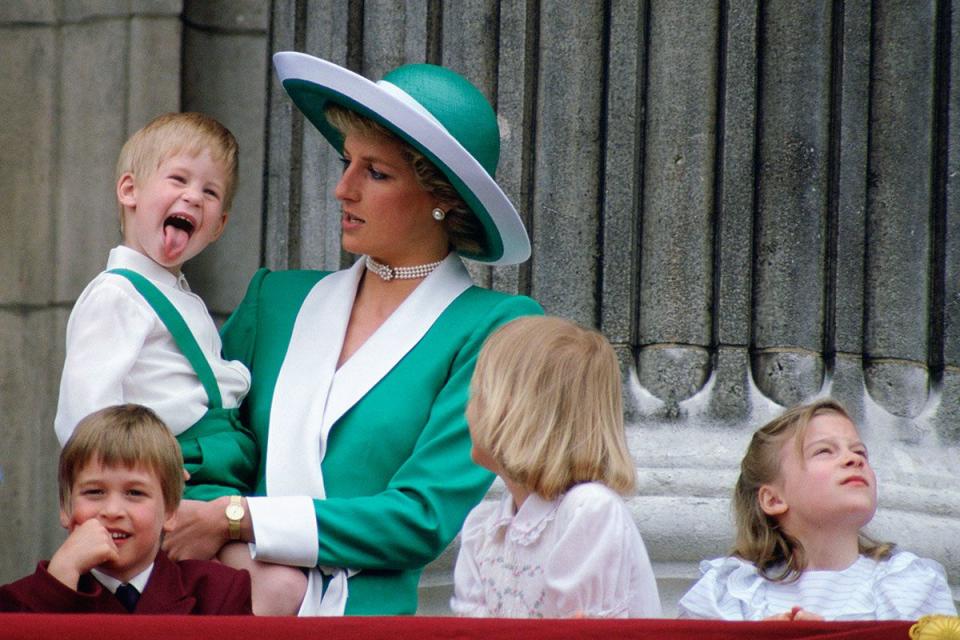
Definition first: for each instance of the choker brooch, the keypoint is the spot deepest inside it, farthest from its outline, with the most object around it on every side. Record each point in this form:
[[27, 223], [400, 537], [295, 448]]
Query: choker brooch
[[388, 273]]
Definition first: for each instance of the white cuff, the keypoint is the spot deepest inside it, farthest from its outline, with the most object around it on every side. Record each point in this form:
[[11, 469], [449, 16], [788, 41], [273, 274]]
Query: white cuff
[[285, 530]]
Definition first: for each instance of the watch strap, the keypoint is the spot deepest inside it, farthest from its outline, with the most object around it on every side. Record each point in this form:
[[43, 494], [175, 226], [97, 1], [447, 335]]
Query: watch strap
[[233, 524]]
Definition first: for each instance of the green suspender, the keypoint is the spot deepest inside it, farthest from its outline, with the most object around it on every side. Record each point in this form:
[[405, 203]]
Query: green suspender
[[218, 451], [182, 335]]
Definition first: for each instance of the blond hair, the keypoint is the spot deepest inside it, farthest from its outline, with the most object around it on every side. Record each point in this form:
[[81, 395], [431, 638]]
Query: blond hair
[[128, 435], [549, 407], [464, 231], [777, 555], [173, 133]]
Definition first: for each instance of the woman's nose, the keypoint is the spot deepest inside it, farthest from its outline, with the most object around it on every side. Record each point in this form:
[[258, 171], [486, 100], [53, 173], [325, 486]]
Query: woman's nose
[[345, 189]]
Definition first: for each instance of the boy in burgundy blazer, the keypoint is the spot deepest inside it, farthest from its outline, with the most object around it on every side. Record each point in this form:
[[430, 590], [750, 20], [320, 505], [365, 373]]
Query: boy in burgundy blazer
[[121, 477]]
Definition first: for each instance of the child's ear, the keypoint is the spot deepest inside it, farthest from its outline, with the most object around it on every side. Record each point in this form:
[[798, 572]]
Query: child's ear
[[127, 190], [65, 519], [771, 502], [223, 225]]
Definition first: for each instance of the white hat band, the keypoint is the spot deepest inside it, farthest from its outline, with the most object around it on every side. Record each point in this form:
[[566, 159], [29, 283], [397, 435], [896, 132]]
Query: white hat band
[[408, 100]]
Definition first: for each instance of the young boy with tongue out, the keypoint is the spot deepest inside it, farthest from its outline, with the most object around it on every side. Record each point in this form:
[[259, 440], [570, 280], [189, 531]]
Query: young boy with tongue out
[[137, 333]]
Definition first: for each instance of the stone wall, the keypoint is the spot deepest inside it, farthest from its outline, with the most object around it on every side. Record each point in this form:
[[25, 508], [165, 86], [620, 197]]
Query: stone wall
[[77, 78], [756, 201]]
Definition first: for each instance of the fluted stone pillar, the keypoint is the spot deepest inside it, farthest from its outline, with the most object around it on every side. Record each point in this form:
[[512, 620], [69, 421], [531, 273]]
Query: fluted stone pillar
[[753, 200], [77, 79], [750, 199], [756, 201], [74, 77]]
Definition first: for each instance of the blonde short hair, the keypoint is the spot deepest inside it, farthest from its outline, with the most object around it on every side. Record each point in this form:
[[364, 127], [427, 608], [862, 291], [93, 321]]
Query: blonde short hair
[[777, 555], [128, 435], [463, 228], [173, 133], [549, 407]]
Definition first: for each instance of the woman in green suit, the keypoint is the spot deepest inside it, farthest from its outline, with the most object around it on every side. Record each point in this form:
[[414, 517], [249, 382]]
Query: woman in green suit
[[360, 376]]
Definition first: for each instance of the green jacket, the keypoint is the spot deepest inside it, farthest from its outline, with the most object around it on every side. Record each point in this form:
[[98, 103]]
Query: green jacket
[[396, 469]]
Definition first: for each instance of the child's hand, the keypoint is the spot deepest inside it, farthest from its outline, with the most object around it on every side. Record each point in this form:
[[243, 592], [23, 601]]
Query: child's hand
[[796, 613], [88, 545], [803, 614]]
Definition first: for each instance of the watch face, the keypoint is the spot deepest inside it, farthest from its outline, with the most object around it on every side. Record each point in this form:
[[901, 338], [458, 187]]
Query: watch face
[[235, 512]]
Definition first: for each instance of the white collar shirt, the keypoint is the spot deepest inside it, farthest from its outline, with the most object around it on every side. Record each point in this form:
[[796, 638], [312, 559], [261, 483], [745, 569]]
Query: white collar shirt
[[119, 351], [110, 583], [580, 555]]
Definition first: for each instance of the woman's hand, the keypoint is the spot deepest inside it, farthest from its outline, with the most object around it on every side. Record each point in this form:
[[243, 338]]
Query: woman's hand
[[200, 529]]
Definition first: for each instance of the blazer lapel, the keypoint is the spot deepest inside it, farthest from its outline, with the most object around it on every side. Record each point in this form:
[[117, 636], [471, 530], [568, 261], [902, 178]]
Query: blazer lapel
[[103, 601], [315, 394], [395, 338], [303, 384], [164, 591]]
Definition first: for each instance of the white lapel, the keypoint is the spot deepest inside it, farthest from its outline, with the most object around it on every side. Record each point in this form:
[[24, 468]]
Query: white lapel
[[396, 337], [303, 384], [311, 394]]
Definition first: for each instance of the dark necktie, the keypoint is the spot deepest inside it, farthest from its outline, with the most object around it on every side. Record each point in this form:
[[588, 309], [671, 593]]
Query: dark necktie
[[128, 595]]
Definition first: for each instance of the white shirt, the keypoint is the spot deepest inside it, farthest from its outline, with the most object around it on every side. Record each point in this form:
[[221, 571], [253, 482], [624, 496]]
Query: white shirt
[[578, 555], [119, 351], [111, 584], [902, 587]]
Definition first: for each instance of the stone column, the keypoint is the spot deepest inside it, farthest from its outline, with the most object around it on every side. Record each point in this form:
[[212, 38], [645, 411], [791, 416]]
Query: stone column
[[77, 78], [753, 200]]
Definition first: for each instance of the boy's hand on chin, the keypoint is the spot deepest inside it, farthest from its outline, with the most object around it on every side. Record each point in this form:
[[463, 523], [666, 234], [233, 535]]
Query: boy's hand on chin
[[88, 545], [198, 531]]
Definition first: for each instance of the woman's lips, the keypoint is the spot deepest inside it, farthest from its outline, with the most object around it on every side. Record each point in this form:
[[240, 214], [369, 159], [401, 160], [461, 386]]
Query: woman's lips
[[350, 221]]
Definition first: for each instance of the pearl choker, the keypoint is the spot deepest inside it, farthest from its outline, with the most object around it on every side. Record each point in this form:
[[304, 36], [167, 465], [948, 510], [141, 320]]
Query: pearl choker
[[387, 273]]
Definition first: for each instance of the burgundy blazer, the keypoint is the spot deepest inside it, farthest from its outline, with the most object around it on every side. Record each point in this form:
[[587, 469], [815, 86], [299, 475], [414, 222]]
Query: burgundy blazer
[[185, 587]]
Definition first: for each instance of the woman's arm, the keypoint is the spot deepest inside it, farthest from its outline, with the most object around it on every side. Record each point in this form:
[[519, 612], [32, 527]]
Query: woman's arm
[[423, 499], [427, 499], [201, 528]]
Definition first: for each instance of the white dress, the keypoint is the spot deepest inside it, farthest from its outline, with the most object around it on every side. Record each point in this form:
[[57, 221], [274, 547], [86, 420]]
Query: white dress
[[902, 587], [578, 555]]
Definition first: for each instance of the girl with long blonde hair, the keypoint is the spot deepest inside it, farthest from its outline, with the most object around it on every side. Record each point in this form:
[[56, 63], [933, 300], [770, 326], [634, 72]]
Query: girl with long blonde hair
[[806, 490]]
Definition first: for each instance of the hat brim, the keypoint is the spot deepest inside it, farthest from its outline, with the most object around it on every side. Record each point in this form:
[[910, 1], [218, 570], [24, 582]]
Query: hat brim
[[312, 83]]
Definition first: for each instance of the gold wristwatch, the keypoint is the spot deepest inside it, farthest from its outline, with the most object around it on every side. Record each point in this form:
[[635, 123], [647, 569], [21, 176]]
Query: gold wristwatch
[[235, 513]]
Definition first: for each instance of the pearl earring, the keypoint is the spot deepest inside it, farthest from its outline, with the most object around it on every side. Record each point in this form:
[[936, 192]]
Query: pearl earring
[[439, 214]]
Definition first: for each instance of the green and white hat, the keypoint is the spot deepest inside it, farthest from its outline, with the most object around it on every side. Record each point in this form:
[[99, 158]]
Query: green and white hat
[[436, 111]]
